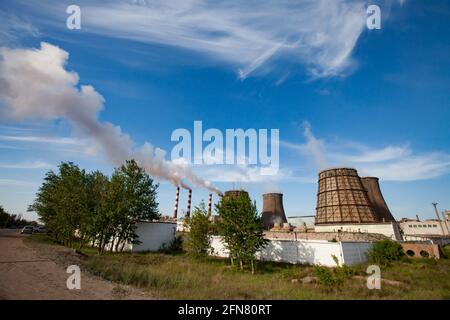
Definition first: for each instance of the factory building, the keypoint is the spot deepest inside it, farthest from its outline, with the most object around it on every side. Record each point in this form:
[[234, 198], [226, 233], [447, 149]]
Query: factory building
[[423, 228]]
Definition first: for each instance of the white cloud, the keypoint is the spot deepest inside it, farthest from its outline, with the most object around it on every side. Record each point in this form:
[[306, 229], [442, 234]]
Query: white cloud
[[250, 35], [13, 27], [41, 139], [394, 163], [36, 86], [241, 173], [26, 165], [15, 183]]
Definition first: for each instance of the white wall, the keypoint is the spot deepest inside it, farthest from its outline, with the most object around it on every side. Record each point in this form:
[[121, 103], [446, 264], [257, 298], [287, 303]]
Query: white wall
[[305, 251], [355, 252], [153, 235], [427, 227], [390, 230]]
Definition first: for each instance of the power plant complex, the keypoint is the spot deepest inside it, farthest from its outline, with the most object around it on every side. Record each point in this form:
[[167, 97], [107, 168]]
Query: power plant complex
[[351, 211]]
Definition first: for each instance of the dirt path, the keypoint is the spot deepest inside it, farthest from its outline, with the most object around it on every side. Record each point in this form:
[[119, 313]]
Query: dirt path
[[32, 273]]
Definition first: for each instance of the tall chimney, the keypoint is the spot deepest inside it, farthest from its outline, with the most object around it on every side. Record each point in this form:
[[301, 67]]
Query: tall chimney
[[175, 209], [273, 211], [372, 186], [438, 218], [209, 204], [188, 211]]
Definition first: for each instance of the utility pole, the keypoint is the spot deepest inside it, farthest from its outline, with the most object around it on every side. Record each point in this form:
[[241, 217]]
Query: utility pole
[[439, 219]]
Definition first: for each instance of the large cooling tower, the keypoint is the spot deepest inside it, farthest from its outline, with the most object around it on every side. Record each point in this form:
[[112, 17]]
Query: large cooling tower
[[273, 211], [234, 193], [341, 198], [372, 186]]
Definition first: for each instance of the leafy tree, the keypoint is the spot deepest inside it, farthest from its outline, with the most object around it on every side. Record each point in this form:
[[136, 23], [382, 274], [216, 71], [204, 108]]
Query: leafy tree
[[241, 228], [198, 242], [90, 207], [384, 252], [135, 197]]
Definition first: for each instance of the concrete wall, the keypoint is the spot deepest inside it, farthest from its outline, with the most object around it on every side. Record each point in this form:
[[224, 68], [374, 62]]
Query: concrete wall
[[389, 229], [421, 250], [305, 251], [153, 235]]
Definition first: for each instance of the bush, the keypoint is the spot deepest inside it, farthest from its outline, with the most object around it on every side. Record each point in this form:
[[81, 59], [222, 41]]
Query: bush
[[198, 242], [336, 276], [384, 252], [174, 247]]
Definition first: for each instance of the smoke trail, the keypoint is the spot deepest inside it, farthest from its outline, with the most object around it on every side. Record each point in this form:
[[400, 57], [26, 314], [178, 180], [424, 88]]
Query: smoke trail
[[315, 147], [35, 85]]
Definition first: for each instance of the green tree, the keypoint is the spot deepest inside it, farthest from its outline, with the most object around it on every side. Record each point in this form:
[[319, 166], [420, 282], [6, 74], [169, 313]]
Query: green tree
[[241, 228], [4, 218], [385, 251], [134, 194], [198, 242]]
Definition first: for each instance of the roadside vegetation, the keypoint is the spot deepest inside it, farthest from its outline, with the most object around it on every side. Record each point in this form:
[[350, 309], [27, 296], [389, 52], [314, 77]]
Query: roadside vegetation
[[8, 220], [91, 209], [177, 276]]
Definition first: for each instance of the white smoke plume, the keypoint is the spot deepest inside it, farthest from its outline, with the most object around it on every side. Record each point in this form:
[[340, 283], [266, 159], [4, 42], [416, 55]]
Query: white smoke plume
[[34, 84], [315, 147]]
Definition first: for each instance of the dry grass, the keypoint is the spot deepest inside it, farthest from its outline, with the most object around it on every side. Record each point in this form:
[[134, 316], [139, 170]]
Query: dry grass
[[179, 277]]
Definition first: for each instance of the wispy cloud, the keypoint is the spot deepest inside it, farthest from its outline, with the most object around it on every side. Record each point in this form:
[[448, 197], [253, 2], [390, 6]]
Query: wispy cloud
[[395, 163], [14, 27], [26, 165], [15, 183], [41, 139], [252, 36]]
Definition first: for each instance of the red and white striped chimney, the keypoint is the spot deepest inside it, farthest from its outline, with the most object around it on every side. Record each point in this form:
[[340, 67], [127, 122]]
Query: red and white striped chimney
[[175, 209], [188, 211], [209, 204]]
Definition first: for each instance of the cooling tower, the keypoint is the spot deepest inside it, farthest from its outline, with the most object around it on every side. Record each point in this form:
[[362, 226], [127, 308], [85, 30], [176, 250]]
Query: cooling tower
[[273, 211], [341, 198], [372, 187], [234, 193]]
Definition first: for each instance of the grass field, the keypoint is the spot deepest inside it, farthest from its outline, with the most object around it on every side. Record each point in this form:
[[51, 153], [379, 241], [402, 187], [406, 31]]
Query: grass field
[[179, 277]]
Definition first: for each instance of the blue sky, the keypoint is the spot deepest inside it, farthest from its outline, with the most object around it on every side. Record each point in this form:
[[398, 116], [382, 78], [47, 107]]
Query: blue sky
[[340, 94]]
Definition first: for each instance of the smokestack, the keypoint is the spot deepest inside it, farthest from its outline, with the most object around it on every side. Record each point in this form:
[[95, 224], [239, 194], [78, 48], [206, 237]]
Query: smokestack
[[188, 211], [372, 186], [209, 204], [439, 219], [175, 209], [273, 211]]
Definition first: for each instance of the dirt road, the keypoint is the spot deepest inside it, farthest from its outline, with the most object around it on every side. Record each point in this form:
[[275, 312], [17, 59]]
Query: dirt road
[[32, 273]]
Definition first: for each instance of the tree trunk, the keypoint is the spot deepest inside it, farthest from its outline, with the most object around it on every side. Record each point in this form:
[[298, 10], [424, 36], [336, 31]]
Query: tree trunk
[[253, 267], [241, 264]]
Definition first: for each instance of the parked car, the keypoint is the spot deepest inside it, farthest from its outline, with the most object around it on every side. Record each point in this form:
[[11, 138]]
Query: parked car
[[27, 230], [40, 229]]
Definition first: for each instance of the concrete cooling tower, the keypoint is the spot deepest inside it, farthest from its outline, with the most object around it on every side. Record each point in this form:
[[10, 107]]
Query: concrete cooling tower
[[273, 211], [372, 187], [342, 198], [234, 193]]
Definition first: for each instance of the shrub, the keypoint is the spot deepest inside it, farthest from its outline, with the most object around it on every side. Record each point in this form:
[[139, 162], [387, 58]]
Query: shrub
[[198, 242], [174, 247], [384, 252], [325, 276]]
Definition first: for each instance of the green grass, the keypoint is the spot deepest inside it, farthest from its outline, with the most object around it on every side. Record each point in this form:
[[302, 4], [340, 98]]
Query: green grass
[[179, 277]]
